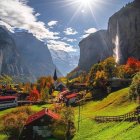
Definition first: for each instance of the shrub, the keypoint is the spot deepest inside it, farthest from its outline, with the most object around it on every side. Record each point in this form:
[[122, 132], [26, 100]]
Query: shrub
[[65, 126], [13, 122], [134, 91]]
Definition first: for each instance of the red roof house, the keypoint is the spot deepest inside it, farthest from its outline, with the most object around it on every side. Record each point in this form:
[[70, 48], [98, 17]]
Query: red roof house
[[8, 101], [5, 98], [38, 126], [71, 99], [42, 113]]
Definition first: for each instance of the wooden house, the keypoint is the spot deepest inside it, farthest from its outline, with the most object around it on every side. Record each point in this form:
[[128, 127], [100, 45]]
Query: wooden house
[[71, 99], [39, 125], [8, 101]]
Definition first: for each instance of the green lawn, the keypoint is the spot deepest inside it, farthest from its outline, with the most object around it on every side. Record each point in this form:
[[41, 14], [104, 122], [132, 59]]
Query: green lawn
[[116, 103]]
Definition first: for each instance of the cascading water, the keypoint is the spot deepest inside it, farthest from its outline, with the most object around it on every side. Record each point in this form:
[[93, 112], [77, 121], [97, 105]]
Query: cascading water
[[117, 45]]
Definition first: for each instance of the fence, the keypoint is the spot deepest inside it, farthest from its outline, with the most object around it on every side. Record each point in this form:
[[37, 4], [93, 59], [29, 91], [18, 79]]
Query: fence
[[132, 116]]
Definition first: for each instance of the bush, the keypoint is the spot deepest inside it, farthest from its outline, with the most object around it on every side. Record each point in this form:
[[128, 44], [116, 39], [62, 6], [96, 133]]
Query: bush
[[65, 126], [134, 91], [13, 122]]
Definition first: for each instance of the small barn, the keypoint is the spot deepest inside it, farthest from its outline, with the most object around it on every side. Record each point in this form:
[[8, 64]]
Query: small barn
[[39, 125]]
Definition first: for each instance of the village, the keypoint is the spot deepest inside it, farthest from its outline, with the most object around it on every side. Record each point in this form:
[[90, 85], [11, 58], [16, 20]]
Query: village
[[37, 125], [56, 100]]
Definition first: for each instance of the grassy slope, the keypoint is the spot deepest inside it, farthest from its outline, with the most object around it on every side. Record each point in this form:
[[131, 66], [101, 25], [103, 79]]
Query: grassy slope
[[116, 103]]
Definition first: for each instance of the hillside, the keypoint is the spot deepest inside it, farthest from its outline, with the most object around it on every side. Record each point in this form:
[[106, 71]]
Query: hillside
[[116, 103]]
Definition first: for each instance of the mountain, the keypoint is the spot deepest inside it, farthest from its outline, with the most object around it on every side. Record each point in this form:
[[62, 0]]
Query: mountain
[[93, 49], [65, 61], [35, 54], [23, 55], [10, 60], [126, 25], [122, 38]]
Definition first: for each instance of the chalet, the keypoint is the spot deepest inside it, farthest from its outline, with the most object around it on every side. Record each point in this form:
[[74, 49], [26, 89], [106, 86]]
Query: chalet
[[62, 95], [78, 86], [39, 125], [8, 101], [71, 99]]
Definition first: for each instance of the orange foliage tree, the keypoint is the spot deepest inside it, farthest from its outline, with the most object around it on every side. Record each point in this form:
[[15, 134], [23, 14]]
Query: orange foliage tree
[[132, 66], [34, 95]]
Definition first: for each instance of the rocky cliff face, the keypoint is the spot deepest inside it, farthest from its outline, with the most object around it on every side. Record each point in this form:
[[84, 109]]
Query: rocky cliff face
[[126, 25], [93, 49], [10, 61], [122, 38], [34, 54], [22, 55]]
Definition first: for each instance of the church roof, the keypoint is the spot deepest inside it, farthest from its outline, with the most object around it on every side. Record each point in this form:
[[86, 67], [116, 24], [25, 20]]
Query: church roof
[[55, 75]]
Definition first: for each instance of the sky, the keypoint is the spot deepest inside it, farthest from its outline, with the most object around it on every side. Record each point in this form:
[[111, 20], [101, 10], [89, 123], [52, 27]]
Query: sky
[[60, 23]]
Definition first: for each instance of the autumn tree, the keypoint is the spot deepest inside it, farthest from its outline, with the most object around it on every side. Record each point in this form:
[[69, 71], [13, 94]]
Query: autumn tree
[[45, 81], [100, 79], [92, 73], [34, 95], [103, 70], [132, 66], [65, 128], [109, 67], [134, 91], [121, 71]]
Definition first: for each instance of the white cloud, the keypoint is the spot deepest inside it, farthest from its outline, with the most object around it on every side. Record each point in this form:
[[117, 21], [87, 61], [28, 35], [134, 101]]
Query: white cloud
[[70, 31], [60, 45], [69, 39], [6, 26], [88, 32], [52, 23], [91, 30], [17, 14]]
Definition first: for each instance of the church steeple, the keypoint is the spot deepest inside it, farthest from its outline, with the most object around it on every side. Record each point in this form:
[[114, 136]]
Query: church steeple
[[55, 75]]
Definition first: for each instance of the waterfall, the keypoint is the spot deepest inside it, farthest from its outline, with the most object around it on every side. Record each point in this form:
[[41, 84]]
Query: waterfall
[[117, 45]]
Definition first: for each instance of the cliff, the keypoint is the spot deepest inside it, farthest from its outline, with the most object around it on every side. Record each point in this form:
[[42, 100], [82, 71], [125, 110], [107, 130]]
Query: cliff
[[126, 25], [93, 49], [10, 61], [35, 54], [121, 40], [23, 56]]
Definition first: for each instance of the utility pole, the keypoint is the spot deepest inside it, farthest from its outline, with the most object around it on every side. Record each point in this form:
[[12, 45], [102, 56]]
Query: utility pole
[[79, 114]]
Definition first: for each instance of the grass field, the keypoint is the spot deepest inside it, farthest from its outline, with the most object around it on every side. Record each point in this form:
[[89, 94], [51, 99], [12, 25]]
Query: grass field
[[116, 103]]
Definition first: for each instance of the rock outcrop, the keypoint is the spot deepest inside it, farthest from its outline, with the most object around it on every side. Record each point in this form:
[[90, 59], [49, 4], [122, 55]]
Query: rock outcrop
[[93, 49], [127, 20]]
